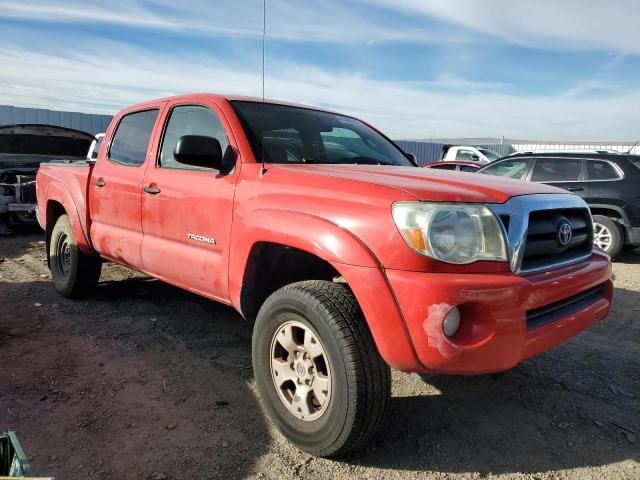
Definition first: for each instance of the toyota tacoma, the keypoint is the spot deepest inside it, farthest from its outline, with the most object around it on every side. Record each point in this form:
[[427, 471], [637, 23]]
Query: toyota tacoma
[[347, 258]]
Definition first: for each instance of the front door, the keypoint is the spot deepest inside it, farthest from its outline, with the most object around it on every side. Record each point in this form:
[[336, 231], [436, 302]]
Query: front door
[[114, 190], [186, 211]]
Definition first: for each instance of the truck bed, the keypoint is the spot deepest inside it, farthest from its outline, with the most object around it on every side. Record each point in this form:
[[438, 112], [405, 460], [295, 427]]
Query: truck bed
[[66, 182]]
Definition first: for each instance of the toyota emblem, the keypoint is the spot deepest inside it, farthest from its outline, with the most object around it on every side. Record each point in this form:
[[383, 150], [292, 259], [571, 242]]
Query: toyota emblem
[[564, 234]]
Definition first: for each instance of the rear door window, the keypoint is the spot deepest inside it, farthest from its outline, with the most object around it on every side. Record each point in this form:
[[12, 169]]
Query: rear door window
[[557, 170], [600, 170], [131, 140]]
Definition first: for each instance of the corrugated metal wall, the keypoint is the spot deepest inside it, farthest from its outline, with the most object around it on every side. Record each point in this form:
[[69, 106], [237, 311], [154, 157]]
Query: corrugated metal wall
[[426, 152], [86, 122]]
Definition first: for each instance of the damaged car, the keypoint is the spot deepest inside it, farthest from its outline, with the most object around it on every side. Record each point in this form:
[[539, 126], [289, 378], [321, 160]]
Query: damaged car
[[22, 149]]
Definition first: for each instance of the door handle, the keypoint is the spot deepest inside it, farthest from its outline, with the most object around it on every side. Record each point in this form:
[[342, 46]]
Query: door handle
[[152, 190], [575, 189], [99, 183]]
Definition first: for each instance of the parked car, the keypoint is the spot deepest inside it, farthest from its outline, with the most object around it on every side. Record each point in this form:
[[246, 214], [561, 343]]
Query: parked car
[[467, 153], [608, 182], [347, 257], [455, 166], [22, 149]]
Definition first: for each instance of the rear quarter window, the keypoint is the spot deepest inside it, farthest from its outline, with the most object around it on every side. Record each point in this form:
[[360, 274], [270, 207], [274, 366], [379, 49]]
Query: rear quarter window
[[600, 170]]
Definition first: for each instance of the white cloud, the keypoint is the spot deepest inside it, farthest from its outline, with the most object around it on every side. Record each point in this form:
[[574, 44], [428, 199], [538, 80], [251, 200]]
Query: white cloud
[[308, 21], [121, 75], [566, 24]]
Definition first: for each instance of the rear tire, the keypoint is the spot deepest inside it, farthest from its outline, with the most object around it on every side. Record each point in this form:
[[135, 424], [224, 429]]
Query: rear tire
[[608, 235], [332, 341], [74, 274]]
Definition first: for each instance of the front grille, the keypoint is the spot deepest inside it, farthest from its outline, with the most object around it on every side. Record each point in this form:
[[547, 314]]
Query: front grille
[[542, 248], [555, 311]]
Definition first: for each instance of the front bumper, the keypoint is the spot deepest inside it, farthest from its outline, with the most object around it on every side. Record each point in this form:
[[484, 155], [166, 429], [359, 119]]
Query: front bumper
[[493, 335]]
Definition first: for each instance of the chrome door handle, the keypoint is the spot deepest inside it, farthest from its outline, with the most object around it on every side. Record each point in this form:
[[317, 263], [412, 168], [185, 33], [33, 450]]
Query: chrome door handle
[[99, 183], [152, 190]]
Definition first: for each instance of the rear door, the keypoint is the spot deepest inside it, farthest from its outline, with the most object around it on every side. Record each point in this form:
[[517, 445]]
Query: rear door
[[561, 172], [187, 211], [605, 188], [115, 189]]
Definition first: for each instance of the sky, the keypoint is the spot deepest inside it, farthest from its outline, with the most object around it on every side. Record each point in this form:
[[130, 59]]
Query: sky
[[543, 70]]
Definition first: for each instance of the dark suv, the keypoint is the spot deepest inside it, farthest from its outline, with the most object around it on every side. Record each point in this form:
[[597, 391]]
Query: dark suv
[[608, 182]]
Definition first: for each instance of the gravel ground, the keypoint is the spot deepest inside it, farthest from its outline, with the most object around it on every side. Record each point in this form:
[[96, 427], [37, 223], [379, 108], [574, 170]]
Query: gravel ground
[[146, 381]]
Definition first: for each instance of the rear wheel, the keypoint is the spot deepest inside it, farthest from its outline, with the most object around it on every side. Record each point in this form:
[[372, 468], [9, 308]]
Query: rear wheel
[[607, 235], [74, 274], [318, 372]]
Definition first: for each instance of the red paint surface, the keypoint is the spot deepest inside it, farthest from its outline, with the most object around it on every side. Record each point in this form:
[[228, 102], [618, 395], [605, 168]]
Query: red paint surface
[[342, 214]]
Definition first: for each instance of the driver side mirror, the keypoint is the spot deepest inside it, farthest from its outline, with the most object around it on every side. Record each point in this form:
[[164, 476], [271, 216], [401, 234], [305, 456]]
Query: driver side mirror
[[199, 151]]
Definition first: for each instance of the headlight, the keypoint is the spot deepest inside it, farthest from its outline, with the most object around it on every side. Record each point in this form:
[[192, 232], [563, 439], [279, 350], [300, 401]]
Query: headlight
[[451, 232]]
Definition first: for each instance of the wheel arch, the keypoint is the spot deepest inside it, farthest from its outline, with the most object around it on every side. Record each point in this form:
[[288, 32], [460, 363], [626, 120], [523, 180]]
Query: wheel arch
[[332, 254], [280, 231], [615, 214], [60, 202]]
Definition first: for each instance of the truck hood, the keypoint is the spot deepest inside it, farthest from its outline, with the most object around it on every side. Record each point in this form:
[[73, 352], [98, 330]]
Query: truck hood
[[427, 184], [29, 145]]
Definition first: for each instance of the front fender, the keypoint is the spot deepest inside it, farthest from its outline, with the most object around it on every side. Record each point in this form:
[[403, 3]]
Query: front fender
[[347, 254]]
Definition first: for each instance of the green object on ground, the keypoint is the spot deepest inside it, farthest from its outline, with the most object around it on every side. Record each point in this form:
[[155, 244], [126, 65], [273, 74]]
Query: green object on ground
[[13, 461]]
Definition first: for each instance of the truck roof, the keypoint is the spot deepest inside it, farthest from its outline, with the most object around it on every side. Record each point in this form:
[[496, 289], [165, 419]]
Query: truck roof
[[228, 97]]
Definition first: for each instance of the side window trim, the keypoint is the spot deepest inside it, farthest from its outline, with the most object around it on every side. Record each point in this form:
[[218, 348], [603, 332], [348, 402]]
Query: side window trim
[[165, 124], [115, 132]]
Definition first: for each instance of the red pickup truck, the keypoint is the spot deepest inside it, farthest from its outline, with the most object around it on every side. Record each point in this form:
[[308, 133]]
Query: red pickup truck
[[320, 230]]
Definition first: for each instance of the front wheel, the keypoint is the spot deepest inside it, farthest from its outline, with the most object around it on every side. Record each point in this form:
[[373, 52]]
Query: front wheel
[[74, 274], [318, 372], [607, 235]]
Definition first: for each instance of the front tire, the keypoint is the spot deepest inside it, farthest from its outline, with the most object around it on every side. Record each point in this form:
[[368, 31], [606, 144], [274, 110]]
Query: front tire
[[318, 372], [607, 235], [74, 274]]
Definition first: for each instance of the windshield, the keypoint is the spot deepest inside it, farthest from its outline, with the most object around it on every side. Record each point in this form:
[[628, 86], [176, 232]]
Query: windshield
[[490, 154], [300, 135]]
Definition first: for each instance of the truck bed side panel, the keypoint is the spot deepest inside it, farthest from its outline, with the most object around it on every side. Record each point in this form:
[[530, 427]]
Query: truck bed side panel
[[65, 184]]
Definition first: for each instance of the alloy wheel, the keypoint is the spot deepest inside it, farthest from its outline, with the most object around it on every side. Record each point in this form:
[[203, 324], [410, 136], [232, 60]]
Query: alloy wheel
[[300, 370], [601, 236]]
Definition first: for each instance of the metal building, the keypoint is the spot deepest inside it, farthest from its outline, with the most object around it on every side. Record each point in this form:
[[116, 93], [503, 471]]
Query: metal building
[[85, 122]]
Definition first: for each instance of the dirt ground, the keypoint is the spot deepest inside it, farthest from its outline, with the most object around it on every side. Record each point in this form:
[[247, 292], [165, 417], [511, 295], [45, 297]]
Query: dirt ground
[[146, 381]]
